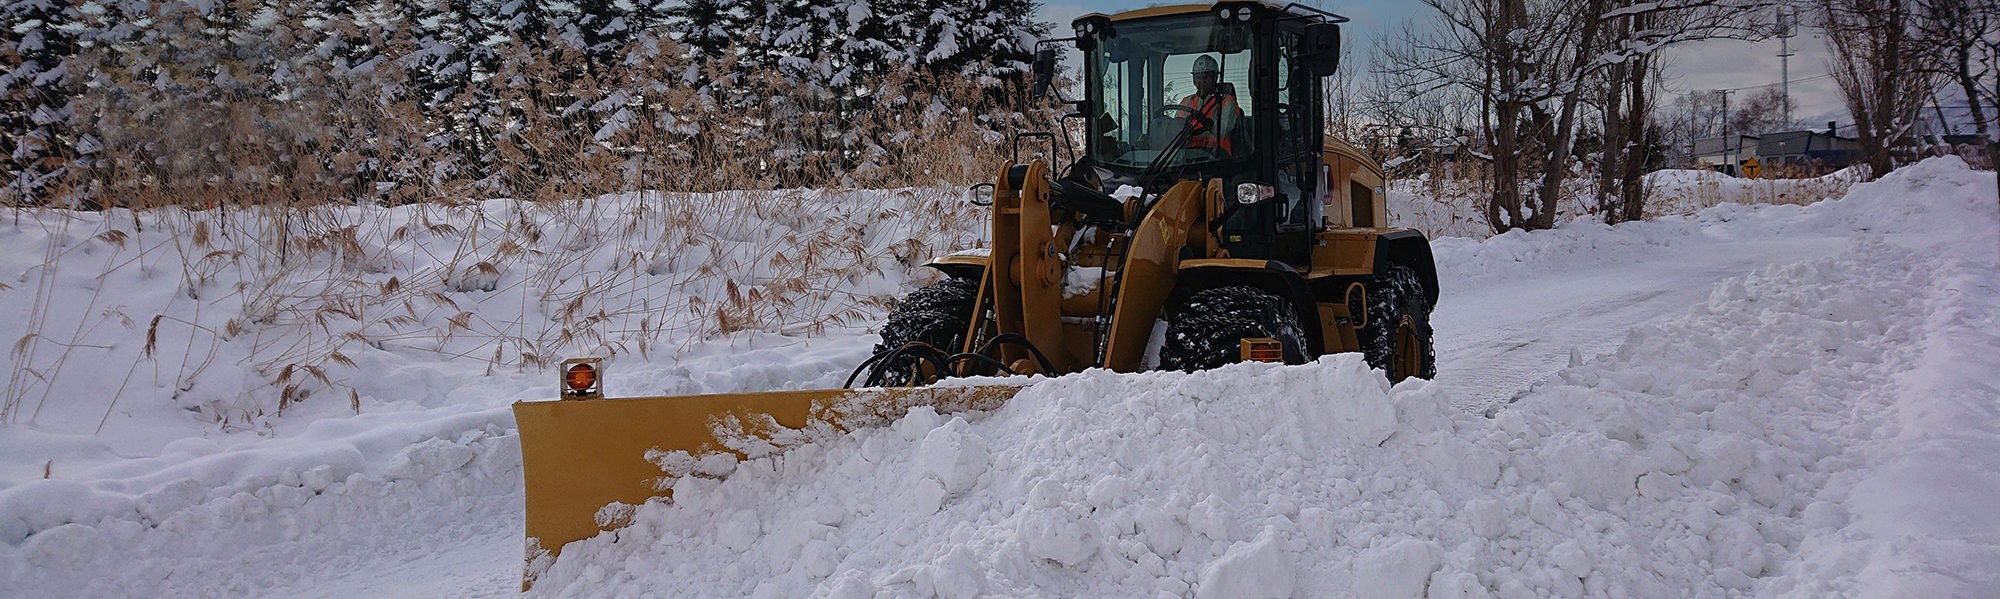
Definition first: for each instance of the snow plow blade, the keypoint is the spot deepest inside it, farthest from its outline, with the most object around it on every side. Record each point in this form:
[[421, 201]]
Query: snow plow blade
[[580, 455]]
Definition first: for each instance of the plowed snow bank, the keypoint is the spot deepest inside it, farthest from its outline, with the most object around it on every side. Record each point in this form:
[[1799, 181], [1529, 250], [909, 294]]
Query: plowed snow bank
[[1713, 454]]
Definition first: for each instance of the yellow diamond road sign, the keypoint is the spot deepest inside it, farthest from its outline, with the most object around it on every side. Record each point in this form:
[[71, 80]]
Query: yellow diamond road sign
[[1750, 168]]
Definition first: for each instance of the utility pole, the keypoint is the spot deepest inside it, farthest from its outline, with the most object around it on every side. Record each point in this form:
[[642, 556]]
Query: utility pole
[[1787, 28], [1725, 110], [1731, 148]]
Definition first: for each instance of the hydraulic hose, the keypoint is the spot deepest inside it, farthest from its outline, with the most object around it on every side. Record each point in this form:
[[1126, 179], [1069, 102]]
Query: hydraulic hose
[[943, 362]]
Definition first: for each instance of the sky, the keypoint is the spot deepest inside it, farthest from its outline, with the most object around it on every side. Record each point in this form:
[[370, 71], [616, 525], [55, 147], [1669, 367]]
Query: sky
[[1719, 64]]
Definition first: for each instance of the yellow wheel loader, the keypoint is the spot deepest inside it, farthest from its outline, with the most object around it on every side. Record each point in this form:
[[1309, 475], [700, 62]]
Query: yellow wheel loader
[[1206, 219]]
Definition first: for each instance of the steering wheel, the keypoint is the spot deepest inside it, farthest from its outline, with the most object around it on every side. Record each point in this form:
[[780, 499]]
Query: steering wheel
[[1193, 114], [1163, 130]]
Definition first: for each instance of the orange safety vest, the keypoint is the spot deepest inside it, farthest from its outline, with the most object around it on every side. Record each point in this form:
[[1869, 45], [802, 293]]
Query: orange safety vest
[[1205, 137]]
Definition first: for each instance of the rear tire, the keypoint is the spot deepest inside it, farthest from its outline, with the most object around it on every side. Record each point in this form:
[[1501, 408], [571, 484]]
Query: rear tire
[[936, 315], [1204, 332], [1397, 333]]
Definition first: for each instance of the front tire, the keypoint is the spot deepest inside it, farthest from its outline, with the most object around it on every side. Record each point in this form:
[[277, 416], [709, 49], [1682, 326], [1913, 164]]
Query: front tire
[[1205, 331], [936, 315], [1396, 332]]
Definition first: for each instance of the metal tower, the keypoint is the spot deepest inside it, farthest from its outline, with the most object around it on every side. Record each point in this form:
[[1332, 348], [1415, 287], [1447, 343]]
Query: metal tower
[[1787, 28]]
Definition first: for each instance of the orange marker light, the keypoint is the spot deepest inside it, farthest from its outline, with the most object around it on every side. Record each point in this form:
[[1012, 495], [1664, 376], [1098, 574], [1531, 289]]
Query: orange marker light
[[1261, 350], [580, 377]]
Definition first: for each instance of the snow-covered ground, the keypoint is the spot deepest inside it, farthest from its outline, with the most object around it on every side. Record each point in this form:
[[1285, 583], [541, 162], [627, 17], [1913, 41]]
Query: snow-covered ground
[[1762, 400], [1454, 208]]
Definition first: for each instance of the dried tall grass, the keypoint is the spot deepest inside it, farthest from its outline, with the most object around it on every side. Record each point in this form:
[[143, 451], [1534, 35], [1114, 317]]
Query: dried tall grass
[[1683, 196], [333, 145], [305, 226], [295, 296], [1448, 199]]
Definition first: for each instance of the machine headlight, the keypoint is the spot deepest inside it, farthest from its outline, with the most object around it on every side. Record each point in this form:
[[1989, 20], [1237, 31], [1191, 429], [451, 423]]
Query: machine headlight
[[1251, 193]]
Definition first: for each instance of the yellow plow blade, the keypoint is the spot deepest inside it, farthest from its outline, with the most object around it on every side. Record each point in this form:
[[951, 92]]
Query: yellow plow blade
[[579, 455]]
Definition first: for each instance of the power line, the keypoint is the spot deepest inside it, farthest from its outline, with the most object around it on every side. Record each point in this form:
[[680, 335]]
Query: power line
[[1812, 78], [1738, 89]]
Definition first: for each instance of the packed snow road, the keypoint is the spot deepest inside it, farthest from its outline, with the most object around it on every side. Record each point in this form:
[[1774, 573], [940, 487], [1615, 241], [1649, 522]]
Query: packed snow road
[[1504, 325], [1767, 401]]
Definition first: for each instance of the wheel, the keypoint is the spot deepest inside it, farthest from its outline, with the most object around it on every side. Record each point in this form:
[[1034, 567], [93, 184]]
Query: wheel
[[937, 315], [1396, 328], [1204, 332]]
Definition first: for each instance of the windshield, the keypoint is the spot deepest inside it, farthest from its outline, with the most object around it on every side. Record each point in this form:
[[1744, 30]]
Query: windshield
[[1152, 75]]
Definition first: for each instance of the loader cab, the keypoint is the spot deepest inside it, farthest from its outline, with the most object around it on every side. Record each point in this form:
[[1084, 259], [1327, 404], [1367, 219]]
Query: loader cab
[[1258, 122]]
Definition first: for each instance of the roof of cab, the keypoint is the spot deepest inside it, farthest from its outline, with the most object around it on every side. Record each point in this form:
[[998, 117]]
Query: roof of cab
[[1156, 11]]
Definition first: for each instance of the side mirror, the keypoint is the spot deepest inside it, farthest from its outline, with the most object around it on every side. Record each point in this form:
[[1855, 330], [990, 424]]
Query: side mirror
[[1322, 49], [1045, 71], [982, 195]]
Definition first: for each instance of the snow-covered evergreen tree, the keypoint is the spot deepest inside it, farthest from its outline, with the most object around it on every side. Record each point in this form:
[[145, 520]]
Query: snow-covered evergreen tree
[[993, 38], [395, 100], [874, 39], [706, 29], [36, 91]]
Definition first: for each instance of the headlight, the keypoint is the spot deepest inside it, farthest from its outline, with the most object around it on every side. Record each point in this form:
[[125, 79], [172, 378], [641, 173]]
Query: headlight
[[1251, 193]]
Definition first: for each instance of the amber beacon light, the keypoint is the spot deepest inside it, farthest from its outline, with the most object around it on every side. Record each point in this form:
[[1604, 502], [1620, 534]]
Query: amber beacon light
[[581, 379]]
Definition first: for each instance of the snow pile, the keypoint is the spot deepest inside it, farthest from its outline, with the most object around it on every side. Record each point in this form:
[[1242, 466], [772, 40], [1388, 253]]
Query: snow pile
[[1089, 471], [148, 432], [1815, 428], [1456, 207], [1687, 191], [1924, 522], [1939, 199], [201, 518], [1732, 450]]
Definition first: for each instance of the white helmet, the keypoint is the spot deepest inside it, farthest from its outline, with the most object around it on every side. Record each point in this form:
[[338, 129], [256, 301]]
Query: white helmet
[[1205, 65]]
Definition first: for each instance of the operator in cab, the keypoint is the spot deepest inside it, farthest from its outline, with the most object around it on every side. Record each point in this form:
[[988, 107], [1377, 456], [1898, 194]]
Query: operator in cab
[[1217, 104]]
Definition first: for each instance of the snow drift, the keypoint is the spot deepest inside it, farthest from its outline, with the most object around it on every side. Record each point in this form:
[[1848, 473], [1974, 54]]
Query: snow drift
[[1732, 450], [1809, 429]]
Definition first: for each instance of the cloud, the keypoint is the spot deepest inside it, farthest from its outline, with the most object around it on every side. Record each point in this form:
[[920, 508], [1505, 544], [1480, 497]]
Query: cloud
[[1745, 66], [1060, 15]]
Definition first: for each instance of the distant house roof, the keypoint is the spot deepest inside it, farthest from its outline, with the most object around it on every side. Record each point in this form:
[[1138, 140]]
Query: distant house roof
[[1725, 146], [1728, 144], [1782, 143], [1803, 143], [1783, 147]]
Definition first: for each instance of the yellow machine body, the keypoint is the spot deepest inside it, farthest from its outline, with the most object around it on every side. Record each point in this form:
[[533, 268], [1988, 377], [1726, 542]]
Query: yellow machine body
[[1025, 296]]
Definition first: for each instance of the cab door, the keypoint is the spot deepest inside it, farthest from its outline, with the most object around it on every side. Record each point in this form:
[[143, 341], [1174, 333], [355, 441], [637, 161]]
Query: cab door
[[1299, 180]]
